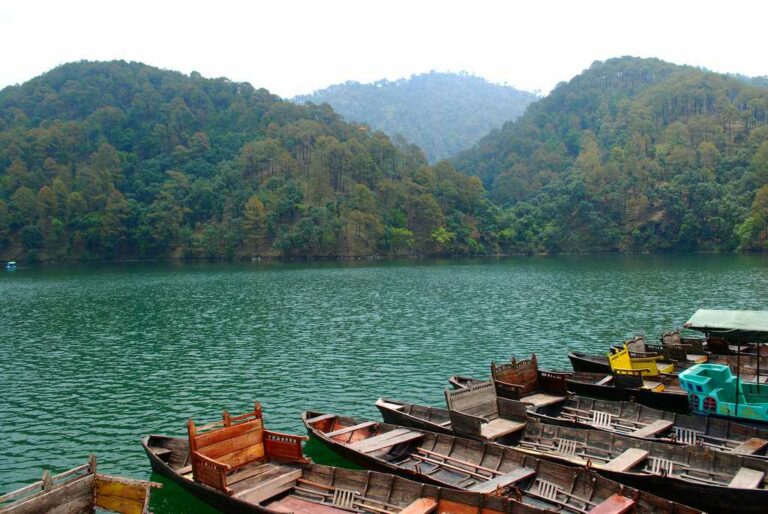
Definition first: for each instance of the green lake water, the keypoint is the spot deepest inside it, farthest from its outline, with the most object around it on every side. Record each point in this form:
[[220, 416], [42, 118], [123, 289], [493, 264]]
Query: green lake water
[[94, 357]]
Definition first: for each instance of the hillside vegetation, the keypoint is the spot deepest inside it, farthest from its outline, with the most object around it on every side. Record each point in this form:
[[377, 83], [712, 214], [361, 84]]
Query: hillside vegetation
[[442, 113], [116, 160], [634, 155]]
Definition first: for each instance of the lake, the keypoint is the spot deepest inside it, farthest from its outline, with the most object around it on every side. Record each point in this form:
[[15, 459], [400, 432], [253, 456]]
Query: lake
[[93, 357]]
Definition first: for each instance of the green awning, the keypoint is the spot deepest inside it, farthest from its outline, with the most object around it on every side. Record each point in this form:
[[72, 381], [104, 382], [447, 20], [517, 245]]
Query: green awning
[[747, 326]]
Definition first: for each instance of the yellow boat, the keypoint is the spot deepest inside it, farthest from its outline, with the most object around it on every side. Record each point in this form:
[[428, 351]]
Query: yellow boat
[[620, 360]]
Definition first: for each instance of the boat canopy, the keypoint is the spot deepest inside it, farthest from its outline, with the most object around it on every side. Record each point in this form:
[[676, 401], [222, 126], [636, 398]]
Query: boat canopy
[[745, 326]]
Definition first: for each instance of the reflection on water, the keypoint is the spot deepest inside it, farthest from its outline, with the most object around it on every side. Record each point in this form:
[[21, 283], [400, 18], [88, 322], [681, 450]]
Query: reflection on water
[[94, 357]]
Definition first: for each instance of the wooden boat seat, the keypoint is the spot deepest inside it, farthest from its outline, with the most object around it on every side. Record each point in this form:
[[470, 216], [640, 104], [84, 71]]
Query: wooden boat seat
[[504, 480], [186, 470], [750, 446], [747, 478], [652, 429], [542, 399], [347, 430], [652, 385], [385, 440], [227, 452], [697, 359], [616, 504], [626, 460], [162, 452], [322, 417], [500, 427], [263, 482], [605, 380], [420, 506]]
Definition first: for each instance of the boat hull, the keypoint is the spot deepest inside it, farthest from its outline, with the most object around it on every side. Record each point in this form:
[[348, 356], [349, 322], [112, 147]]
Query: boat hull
[[583, 362], [664, 401]]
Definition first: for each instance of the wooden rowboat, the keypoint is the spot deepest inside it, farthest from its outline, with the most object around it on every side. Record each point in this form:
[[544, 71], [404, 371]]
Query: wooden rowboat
[[318, 489], [453, 462], [637, 462], [625, 418], [237, 466], [79, 491], [524, 381]]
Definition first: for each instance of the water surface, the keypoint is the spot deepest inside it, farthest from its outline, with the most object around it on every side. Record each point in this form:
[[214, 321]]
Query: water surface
[[94, 357]]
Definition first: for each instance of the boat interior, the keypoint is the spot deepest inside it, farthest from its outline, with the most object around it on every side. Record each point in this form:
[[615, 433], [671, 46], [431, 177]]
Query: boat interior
[[309, 488], [476, 466], [608, 451]]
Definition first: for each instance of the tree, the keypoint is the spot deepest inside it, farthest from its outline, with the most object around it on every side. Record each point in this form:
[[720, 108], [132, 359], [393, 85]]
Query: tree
[[255, 222]]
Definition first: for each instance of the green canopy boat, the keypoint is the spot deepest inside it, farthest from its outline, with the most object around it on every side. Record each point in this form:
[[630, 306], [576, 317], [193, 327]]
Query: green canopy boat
[[712, 388]]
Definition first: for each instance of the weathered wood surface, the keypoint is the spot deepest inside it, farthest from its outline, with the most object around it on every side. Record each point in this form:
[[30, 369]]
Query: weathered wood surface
[[504, 480], [616, 504], [347, 430], [747, 478], [627, 460], [420, 506], [750, 446], [386, 440], [652, 429], [500, 427]]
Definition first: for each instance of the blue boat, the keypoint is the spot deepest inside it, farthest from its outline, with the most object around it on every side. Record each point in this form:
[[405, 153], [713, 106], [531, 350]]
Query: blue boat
[[713, 389]]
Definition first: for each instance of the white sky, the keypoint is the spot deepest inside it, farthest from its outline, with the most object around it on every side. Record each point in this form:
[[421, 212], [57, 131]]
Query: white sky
[[292, 47]]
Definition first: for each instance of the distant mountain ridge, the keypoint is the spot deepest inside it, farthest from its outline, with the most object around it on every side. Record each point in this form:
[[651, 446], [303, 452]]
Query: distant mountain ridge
[[442, 113], [634, 155]]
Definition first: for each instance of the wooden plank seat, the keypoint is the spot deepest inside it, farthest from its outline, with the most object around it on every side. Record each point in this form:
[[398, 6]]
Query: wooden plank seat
[[542, 399], [295, 505], [347, 430], [750, 446], [385, 440], [322, 417], [502, 481], [747, 478], [186, 470], [265, 484], [616, 504], [652, 429], [626, 460], [225, 454], [420, 506], [605, 380], [500, 427]]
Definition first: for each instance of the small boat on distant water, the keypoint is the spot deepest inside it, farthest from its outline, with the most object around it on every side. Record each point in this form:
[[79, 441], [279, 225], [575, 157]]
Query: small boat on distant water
[[10, 266], [536, 485], [79, 491]]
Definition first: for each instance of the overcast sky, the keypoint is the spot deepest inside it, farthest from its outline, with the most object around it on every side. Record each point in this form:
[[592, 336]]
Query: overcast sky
[[292, 47]]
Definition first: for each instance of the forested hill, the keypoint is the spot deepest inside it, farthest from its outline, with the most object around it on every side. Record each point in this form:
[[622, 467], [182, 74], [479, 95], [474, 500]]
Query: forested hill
[[116, 160], [442, 113], [634, 155]]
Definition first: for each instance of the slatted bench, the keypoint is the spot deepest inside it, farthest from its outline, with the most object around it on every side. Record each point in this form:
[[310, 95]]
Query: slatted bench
[[747, 478], [626, 460], [385, 440], [226, 453], [750, 446], [347, 430]]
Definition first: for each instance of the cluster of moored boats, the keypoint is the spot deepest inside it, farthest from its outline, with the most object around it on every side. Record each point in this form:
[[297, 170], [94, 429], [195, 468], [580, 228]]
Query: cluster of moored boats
[[609, 437]]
